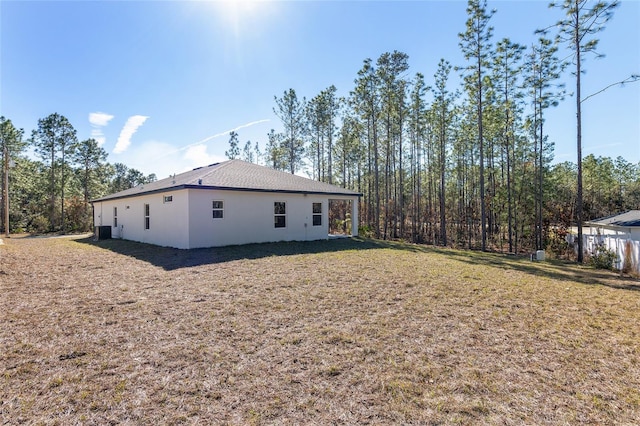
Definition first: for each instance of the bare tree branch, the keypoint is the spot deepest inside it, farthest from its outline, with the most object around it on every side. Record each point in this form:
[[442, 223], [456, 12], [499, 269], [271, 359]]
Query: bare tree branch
[[632, 79]]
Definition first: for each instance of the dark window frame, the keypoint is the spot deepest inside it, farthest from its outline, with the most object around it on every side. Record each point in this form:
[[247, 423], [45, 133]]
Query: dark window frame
[[217, 209], [147, 216], [279, 214], [317, 214]]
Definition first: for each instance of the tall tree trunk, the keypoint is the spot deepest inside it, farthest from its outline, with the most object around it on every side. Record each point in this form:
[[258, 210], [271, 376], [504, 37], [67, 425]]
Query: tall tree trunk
[[53, 188], [5, 186], [509, 202], [443, 227], [62, 185], [401, 177], [540, 188], [579, 217], [483, 213]]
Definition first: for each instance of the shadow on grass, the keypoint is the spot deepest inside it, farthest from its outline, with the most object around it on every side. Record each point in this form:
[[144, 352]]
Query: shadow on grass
[[552, 269], [172, 259]]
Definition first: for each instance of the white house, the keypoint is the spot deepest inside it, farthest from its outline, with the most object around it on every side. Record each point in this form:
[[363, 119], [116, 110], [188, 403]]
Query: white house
[[619, 233], [624, 224], [227, 203]]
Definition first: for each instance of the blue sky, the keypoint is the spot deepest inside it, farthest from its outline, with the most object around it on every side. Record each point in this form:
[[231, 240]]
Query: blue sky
[[161, 83]]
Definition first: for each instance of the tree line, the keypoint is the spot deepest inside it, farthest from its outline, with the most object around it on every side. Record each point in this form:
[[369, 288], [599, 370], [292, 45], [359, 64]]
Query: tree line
[[469, 166], [53, 193]]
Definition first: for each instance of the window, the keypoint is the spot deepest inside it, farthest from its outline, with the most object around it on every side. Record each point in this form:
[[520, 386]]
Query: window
[[146, 216], [317, 214], [168, 199], [115, 217], [218, 209], [280, 214]]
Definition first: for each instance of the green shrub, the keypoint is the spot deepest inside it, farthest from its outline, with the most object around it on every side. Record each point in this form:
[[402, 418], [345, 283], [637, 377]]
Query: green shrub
[[366, 231], [602, 257], [39, 225]]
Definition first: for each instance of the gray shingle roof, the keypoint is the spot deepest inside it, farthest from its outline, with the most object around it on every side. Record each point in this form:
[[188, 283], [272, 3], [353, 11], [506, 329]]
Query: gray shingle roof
[[235, 175], [630, 218]]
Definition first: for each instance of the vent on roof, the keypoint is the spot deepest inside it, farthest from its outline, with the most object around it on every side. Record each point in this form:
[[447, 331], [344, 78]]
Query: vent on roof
[[213, 164], [199, 181], [197, 168]]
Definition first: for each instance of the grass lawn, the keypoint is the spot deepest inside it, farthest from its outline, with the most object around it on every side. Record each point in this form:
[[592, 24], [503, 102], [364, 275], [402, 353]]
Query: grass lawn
[[331, 332]]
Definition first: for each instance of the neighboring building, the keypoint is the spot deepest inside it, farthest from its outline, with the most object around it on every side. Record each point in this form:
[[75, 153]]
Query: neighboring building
[[227, 203], [624, 224], [620, 234]]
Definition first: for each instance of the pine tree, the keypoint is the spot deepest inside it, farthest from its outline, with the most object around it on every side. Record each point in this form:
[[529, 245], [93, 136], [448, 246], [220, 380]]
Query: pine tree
[[417, 126], [274, 152], [390, 68], [583, 19], [507, 68], [234, 149], [53, 140], [90, 158], [443, 114], [291, 112], [11, 145], [365, 101], [247, 152], [475, 43], [543, 68]]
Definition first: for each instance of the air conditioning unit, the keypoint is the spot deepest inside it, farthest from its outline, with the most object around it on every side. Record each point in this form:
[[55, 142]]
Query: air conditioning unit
[[102, 233]]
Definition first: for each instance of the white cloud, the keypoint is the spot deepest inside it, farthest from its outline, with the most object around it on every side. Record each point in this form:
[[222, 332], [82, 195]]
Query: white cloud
[[97, 121], [137, 157], [131, 126], [197, 155], [165, 159], [98, 136]]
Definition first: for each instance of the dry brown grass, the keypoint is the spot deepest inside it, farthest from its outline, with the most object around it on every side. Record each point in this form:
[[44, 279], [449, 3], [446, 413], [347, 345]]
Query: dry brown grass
[[334, 332]]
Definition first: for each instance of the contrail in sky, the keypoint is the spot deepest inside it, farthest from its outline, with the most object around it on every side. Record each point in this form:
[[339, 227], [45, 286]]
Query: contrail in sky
[[217, 135], [130, 127], [226, 132], [609, 145]]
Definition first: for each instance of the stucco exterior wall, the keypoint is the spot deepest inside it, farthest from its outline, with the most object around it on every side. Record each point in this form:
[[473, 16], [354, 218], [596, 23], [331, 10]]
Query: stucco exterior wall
[[249, 218], [168, 221], [187, 221]]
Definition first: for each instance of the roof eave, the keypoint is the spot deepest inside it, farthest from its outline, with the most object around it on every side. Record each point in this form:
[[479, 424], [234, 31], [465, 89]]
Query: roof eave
[[611, 226], [276, 191], [143, 192], [226, 188]]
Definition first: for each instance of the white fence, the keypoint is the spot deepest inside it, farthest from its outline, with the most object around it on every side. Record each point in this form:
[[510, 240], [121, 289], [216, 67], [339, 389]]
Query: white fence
[[617, 244]]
